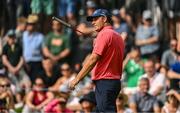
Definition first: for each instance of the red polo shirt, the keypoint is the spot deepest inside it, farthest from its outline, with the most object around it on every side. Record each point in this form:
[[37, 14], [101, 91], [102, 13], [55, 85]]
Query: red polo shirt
[[110, 46]]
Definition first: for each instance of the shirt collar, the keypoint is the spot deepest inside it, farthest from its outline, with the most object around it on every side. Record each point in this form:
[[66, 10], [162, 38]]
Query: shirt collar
[[107, 27]]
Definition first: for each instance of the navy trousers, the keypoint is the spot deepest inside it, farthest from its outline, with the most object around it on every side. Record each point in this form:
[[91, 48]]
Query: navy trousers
[[106, 92]]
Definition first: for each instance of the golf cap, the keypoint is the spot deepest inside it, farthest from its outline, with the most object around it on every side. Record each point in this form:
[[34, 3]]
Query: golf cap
[[98, 13], [147, 14], [11, 33]]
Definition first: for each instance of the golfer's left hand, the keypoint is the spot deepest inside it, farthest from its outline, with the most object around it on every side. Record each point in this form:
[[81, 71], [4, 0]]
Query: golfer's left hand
[[72, 84]]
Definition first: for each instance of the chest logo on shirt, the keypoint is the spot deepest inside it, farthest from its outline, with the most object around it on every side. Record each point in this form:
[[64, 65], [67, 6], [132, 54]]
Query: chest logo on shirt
[[56, 42]]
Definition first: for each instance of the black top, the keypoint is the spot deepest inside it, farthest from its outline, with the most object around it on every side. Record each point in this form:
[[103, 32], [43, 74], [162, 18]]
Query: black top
[[13, 53]]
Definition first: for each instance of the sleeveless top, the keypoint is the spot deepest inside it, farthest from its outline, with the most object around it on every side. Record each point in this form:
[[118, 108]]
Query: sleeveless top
[[36, 100]]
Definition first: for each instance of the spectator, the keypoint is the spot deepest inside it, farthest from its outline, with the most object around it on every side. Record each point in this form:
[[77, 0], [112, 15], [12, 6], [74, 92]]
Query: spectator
[[20, 28], [6, 96], [121, 102], [174, 74], [133, 68], [57, 105], [85, 46], [88, 103], [172, 105], [147, 36], [37, 98], [49, 75], [13, 61], [57, 44], [118, 24], [142, 101], [62, 83], [169, 56], [32, 47], [156, 79]]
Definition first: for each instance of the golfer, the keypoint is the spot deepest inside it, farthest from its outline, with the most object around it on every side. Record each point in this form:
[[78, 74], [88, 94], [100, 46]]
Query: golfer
[[105, 62]]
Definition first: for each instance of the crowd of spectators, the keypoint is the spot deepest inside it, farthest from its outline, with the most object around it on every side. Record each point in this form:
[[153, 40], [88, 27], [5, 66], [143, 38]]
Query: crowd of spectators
[[39, 56]]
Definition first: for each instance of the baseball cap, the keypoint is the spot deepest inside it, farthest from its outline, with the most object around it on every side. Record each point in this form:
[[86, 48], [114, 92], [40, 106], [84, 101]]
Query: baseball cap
[[90, 97], [147, 14], [98, 13], [11, 33], [90, 4], [115, 12]]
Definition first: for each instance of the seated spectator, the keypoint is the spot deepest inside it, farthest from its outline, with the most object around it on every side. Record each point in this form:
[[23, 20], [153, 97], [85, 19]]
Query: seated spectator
[[37, 98], [88, 103], [57, 105], [147, 37], [57, 44], [142, 101], [174, 74], [19, 102], [169, 56], [156, 79], [61, 84], [48, 73], [172, 105], [13, 61], [133, 69], [6, 96], [121, 102]]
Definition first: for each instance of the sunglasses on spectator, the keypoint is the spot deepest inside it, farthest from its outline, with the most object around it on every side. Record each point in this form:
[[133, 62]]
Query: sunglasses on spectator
[[67, 69], [5, 85], [39, 84]]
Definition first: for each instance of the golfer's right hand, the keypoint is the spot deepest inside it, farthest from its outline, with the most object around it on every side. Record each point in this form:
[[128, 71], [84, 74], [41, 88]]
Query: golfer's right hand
[[72, 84]]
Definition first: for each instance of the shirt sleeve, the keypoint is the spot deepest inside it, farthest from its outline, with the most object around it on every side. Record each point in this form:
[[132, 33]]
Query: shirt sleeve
[[132, 99], [101, 43], [67, 42], [5, 50], [155, 31]]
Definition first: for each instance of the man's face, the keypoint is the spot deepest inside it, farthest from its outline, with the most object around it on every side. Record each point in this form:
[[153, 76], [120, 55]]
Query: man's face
[[98, 22], [173, 44], [143, 86], [149, 68]]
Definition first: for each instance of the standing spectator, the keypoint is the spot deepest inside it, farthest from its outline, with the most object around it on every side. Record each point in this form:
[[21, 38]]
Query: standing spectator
[[44, 9], [169, 56], [32, 47], [37, 98], [20, 28], [147, 36], [13, 61], [106, 62], [57, 44], [142, 101]]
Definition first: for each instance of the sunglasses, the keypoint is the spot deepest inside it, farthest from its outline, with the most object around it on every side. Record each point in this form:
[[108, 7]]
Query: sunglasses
[[5, 85], [39, 84], [65, 69]]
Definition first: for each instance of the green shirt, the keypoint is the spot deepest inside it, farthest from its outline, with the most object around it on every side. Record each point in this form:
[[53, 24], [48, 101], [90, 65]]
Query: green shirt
[[133, 71], [56, 43]]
